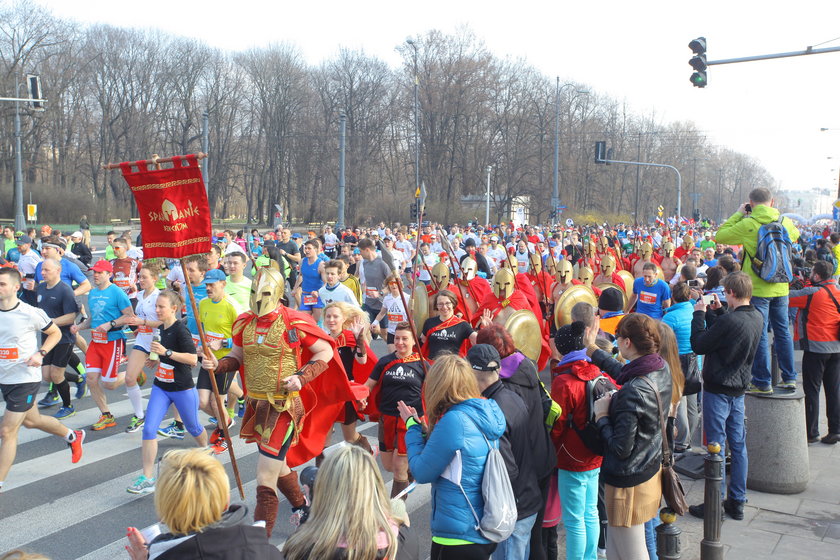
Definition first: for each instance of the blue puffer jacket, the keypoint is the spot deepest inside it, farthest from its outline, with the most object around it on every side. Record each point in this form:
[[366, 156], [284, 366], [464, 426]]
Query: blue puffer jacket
[[678, 317], [456, 431]]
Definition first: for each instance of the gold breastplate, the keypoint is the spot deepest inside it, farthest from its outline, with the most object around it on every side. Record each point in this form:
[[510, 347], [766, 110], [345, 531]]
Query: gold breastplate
[[269, 359]]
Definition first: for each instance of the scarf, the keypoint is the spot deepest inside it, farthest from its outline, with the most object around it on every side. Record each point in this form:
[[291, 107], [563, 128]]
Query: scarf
[[575, 356], [510, 364], [640, 366]]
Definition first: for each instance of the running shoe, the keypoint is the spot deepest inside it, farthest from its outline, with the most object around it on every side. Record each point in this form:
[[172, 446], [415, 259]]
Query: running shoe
[[786, 386], [81, 387], [220, 446], [213, 420], [76, 446], [135, 424], [141, 378], [142, 485], [65, 412], [105, 421], [215, 436], [240, 407], [172, 431], [754, 389], [50, 399], [300, 514]]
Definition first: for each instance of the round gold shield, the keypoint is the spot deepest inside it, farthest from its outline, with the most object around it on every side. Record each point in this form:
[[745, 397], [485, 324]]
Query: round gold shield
[[575, 294], [628, 278], [624, 299], [419, 305], [524, 329]]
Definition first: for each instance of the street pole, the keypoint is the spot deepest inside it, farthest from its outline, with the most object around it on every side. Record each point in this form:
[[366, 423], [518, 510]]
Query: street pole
[[487, 208], [555, 193], [205, 146], [638, 177], [416, 118], [20, 221], [645, 164], [342, 129]]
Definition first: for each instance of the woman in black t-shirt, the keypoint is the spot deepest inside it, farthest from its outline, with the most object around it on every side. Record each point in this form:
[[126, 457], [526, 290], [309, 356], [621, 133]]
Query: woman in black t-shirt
[[176, 356], [446, 333]]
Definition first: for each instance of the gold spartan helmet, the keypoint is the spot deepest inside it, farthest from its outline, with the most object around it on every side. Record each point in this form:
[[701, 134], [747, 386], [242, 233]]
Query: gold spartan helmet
[[668, 248], [565, 271], [504, 282], [646, 250], [603, 243], [585, 275], [688, 242], [607, 266], [469, 267], [551, 264], [267, 289], [588, 247], [536, 262], [440, 273]]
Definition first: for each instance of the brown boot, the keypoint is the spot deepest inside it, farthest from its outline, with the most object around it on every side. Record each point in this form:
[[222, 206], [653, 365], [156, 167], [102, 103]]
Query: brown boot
[[290, 487], [398, 486], [266, 509], [363, 442]]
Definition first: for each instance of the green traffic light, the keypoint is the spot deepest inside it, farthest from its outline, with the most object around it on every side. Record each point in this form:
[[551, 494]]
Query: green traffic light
[[698, 79]]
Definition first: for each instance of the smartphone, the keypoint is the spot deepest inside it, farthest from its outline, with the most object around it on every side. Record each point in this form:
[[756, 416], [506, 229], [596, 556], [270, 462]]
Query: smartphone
[[695, 283], [708, 299]]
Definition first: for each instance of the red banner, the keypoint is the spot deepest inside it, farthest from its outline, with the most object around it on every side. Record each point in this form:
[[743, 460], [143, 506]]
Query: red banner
[[173, 207]]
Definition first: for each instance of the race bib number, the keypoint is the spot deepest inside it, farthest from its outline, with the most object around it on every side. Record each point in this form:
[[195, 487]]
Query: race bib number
[[122, 283], [647, 297], [395, 318], [196, 341], [8, 353], [212, 337], [165, 373], [98, 336], [144, 330], [309, 299], [372, 292]]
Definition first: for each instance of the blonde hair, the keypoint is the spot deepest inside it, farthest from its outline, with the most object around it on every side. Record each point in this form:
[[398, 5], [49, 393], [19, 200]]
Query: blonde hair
[[450, 381], [351, 313], [348, 478], [669, 350], [193, 490], [23, 555]]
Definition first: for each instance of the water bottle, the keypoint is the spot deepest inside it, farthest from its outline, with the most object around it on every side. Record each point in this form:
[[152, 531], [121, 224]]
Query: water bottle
[[153, 356]]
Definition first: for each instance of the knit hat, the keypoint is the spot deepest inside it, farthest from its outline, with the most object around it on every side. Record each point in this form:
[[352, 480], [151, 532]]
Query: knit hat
[[611, 300], [569, 337]]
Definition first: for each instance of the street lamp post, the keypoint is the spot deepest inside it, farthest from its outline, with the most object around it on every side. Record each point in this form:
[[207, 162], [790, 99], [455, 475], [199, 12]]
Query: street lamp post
[[487, 206], [20, 221], [555, 194], [413, 45]]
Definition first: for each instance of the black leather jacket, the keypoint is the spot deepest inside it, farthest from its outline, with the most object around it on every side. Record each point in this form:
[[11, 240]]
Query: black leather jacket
[[632, 432]]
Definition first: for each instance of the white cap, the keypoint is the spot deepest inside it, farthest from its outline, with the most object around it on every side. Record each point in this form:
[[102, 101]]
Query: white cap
[[76, 234]]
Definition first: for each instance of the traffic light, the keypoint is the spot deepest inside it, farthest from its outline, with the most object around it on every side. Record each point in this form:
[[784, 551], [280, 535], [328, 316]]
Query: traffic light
[[696, 215], [698, 62], [413, 207], [600, 152], [34, 86]]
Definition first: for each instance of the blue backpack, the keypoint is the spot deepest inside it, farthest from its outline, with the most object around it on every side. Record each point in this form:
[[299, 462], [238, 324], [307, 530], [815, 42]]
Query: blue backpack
[[772, 259]]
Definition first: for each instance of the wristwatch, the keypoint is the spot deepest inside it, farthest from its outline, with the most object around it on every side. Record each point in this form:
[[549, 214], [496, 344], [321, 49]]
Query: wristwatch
[[113, 324], [168, 353], [42, 352]]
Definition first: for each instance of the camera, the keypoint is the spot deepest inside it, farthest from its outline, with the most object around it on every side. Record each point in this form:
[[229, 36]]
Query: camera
[[694, 283], [708, 299], [747, 208]]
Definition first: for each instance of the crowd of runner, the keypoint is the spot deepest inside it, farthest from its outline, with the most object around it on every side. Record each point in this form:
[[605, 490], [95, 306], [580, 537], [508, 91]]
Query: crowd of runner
[[468, 317]]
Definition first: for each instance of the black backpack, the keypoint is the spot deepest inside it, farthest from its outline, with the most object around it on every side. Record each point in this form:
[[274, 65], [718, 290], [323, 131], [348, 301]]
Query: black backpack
[[589, 434]]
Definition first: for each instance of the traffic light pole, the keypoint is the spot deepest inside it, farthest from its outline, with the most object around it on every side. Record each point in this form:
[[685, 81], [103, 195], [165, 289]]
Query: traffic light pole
[[807, 51], [645, 164]]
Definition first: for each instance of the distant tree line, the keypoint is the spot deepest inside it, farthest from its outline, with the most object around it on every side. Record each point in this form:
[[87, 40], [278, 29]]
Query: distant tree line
[[122, 94]]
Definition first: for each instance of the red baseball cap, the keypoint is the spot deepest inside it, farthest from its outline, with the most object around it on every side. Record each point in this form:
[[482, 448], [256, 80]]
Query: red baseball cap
[[103, 266]]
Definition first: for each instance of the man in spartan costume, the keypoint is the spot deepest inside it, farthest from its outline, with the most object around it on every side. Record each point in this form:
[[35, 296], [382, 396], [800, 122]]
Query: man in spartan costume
[[295, 388]]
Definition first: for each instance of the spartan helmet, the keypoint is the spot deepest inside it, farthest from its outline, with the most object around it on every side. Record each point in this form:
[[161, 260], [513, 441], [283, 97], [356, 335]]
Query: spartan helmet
[[504, 283], [688, 242], [646, 250], [585, 275], [603, 243], [565, 271], [551, 264], [588, 247], [469, 267], [440, 272], [511, 263], [668, 248], [536, 262], [607, 266], [267, 289]]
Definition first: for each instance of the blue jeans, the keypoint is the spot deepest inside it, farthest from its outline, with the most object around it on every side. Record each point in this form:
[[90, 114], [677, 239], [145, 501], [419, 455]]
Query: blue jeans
[[518, 545], [650, 537], [723, 420], [579, 498], [775, 313]]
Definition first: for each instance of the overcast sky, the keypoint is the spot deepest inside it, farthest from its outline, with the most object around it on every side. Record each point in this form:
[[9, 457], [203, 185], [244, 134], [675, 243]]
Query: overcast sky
[[634, 51]]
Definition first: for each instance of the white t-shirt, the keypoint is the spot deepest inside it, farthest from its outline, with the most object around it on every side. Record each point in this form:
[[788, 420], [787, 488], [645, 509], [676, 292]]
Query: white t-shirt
[[18, 341], [339, 293], [394, 311], [431, 260], [146, 310], [406, 247], [399, 259], [330, 241]]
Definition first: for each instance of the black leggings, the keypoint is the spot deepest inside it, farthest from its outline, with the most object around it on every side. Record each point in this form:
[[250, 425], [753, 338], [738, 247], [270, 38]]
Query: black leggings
[[462, 551]]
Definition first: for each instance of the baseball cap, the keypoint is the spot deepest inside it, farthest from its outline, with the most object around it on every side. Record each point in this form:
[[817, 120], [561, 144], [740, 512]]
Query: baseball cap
[[23, 239], [214, 275], [76, 234], [103, 266], [494, 238], [297, 236], [484, 357]]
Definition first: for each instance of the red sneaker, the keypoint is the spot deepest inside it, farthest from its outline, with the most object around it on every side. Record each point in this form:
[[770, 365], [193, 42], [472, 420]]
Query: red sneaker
[[216, 436], [76, 446], [220, 446]]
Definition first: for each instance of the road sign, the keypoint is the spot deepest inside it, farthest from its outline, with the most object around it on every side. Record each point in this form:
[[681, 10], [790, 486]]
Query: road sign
[[837, 203], [570, 222], [835, 213], [32, 212]]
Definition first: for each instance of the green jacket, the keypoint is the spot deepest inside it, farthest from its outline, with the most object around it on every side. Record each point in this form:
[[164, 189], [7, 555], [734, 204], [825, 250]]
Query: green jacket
[[743, 230]]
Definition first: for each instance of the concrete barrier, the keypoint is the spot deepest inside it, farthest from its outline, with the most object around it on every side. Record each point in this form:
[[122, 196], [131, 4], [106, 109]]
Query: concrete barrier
[[777, 445]]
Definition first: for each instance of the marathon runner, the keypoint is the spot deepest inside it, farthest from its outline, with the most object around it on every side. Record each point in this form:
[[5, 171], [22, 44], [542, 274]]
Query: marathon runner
[[125, 269], [20, 376]]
